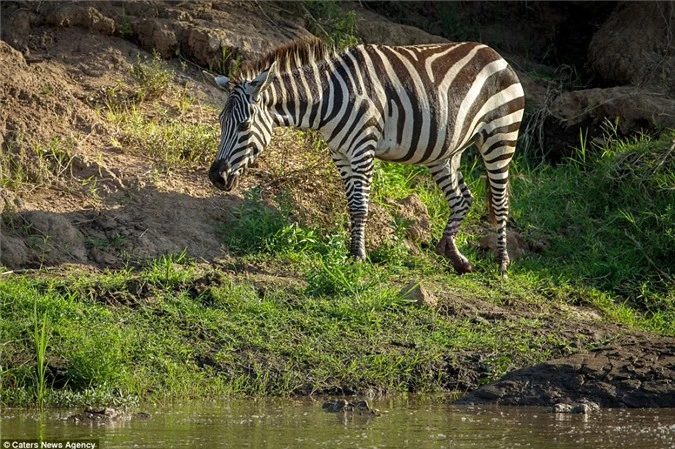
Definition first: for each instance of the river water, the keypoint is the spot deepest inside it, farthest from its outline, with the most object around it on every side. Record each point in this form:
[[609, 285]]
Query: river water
[[404, 422]]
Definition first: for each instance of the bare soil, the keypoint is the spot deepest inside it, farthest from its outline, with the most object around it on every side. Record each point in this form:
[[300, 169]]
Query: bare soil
[[633, 371]]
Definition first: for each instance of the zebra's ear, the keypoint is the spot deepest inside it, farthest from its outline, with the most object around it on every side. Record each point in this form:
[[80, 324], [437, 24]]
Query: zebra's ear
[[261, 82], [219, 81]]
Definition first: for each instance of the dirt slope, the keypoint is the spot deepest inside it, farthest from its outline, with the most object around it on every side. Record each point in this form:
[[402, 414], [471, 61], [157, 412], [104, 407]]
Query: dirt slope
[[95, 190]]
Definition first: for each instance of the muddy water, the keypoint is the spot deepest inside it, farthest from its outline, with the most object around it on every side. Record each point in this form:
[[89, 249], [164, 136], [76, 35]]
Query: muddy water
[[404, 423]]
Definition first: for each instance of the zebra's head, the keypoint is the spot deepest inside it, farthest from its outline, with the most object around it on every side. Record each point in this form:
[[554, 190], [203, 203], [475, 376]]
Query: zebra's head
[[245, 127]]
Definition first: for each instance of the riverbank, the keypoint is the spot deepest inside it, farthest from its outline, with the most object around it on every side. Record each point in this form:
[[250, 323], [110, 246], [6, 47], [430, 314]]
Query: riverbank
[[128, 278], [284, 312]]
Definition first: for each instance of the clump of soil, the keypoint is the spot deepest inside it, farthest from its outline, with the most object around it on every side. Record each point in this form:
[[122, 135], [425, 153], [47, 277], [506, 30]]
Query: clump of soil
[[635, 47], [629, 372]]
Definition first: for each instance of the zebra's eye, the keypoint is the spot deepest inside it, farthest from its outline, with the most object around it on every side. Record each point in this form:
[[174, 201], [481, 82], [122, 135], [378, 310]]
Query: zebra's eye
[[244, 126]]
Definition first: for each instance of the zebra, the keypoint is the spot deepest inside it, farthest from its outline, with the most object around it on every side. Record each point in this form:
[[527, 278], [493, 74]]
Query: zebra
[[420, 104]]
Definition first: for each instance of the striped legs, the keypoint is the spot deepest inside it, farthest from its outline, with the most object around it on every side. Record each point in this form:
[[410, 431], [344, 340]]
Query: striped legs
[[357, 176], [497, 151], [451, 182]]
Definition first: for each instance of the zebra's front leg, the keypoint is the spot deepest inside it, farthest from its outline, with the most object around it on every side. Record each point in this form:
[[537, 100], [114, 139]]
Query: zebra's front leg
[[450, 181], [357, 175]]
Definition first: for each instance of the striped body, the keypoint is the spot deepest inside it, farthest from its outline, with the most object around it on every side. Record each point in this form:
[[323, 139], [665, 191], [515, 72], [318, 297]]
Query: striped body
[[421, 104]]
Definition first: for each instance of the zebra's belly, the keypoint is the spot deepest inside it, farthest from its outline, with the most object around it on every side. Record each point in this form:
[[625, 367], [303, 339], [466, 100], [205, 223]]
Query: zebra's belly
[[391, 151], [395, 152]]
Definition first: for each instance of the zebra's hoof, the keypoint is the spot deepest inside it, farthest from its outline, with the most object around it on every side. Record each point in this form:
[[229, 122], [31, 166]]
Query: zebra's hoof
[[446, 247], [358, 256], [462, 267], [502, 270]]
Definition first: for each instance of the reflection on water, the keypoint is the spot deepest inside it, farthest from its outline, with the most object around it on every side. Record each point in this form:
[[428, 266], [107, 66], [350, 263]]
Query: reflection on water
[[405, 422]]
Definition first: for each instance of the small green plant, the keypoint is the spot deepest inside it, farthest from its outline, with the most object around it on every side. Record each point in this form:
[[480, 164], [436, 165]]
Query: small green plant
[[579, 159], [256, 225], [170, 140], [152, 77], [47, 89], [40, 340], [168, 269], [116, 241], [330, 22], [227, 63], [26, 164], [124, 24]]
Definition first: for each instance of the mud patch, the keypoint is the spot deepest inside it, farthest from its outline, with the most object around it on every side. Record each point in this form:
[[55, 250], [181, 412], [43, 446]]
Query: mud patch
[[631, 372]]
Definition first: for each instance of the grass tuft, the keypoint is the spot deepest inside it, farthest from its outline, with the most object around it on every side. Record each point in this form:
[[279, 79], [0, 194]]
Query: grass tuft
[[152, 76]]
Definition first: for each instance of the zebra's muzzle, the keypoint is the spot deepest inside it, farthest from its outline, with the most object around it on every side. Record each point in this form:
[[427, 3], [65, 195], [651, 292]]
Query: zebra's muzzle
[[218, 174]]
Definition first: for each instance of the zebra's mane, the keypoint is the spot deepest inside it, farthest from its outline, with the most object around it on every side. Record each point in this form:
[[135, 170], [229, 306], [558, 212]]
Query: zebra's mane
[[289, 56]]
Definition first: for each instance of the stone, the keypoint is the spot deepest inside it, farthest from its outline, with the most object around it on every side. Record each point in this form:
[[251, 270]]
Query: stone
[[634, 109], [515, 244], [633, 47], [361, 407], [57, 231], [13, 252], [413, 210], [416, 292]]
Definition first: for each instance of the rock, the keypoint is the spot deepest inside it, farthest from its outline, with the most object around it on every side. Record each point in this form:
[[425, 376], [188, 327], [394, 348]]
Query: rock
[[583, 408], [80, 16], [515, 244], [634, 109], [561, 408], [335, 406], [105, 415], [634, 46], [413, 210], [13, 252], [154, 34], [631, 373], [416, 292], [55, 230], [372, 28]]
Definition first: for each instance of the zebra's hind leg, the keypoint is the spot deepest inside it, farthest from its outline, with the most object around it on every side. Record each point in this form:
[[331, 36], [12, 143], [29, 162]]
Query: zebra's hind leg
[[357, 175], [466, 193], [451, 182], [497, 152]]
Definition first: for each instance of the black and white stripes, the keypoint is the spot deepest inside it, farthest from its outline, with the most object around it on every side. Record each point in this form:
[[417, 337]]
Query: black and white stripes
[[422, 104]]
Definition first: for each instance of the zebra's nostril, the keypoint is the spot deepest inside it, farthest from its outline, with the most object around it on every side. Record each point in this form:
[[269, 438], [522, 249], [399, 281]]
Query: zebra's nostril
[[217, 175]]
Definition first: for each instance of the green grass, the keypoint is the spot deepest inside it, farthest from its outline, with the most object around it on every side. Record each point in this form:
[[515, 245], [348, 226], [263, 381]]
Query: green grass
[[321, 323], [171, 141], [159, 120], [163, 333], [40, 340], [330, 22], [25, 164], [610, 219], [152, 76]]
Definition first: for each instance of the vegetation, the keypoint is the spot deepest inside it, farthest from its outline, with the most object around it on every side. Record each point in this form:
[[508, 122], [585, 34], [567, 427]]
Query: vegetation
[[330, 22], [321, 323], [26, 164], [288, 312], [156, 119]]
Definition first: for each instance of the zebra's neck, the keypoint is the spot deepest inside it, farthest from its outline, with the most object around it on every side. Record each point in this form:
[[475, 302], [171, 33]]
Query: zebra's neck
[[296, 97]]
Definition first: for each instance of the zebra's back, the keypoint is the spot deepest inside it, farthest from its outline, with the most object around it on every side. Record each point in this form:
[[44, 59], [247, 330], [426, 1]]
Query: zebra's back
[[430, 101]]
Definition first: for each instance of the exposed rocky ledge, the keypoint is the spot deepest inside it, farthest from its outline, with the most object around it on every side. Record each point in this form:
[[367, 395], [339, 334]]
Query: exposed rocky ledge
[[630, 372]]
